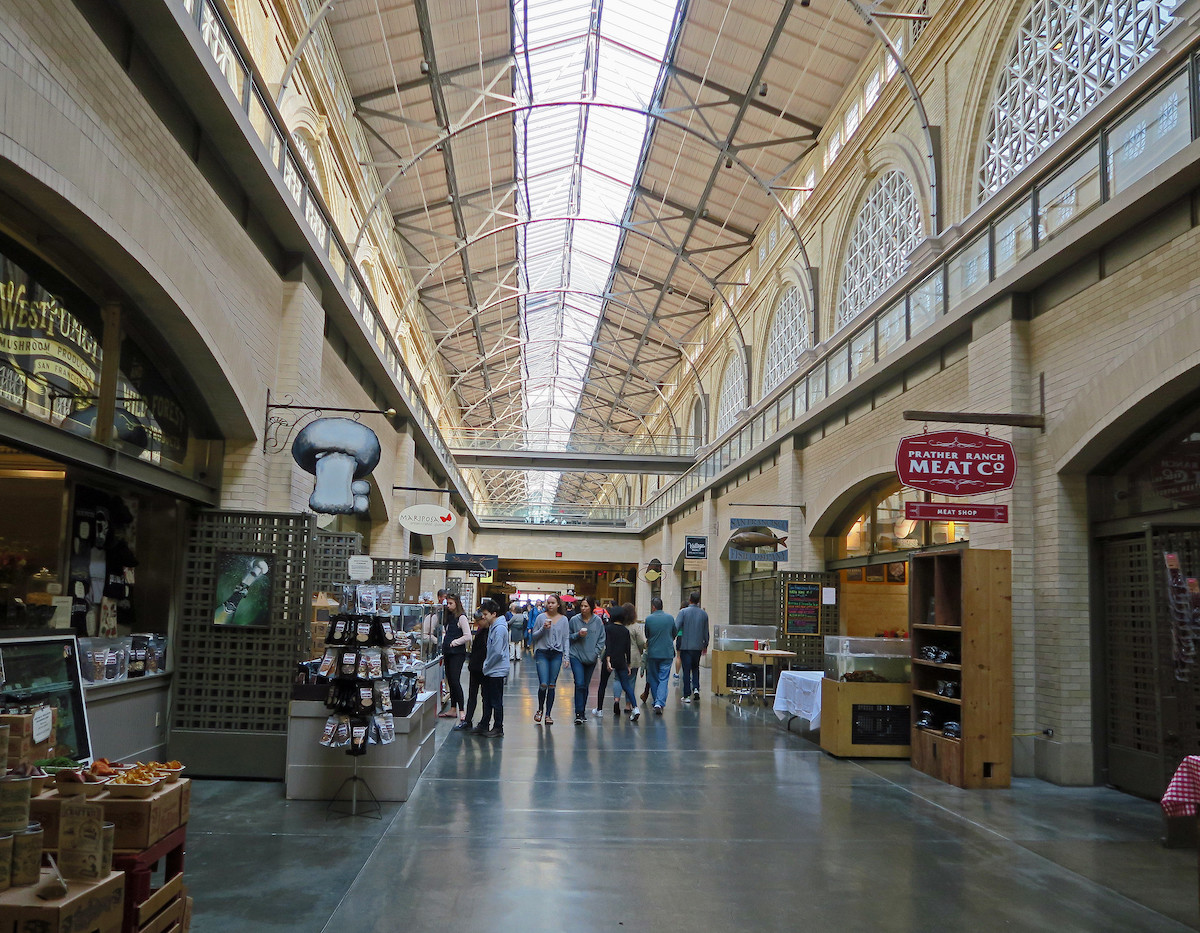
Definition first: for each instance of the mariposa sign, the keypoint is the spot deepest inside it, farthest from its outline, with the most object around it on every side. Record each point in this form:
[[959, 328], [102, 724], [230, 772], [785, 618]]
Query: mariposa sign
[[956, 463]]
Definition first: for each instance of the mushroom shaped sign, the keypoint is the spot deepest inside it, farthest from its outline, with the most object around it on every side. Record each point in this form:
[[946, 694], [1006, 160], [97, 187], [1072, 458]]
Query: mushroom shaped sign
[[956, 463], [339, 453]]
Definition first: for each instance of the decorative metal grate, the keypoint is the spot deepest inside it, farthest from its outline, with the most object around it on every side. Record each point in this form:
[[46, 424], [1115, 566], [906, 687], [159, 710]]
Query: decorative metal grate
[[732, 399], [328, 558], [787, 336], [887, 229], [231, 679], [1068, 54]]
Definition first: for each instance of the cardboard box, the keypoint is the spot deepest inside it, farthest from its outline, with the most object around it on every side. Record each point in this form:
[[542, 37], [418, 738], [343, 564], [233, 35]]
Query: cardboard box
[[24, 750], [138, 823], [141, 823], [89, 907]]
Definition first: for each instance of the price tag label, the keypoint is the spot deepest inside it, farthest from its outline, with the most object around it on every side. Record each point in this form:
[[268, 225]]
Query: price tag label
[[360, 568], [43, 722]]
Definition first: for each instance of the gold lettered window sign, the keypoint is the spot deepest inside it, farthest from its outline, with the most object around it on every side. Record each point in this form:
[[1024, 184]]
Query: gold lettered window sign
[[81, 840]]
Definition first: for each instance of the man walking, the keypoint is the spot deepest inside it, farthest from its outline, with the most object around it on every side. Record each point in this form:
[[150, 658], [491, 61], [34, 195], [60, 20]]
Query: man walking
[[692, 623], [660, 652]]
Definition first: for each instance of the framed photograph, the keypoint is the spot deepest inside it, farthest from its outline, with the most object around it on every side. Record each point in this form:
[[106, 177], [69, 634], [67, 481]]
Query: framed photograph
[[853, 574], [874, 573], [897, 572], [243, 589]]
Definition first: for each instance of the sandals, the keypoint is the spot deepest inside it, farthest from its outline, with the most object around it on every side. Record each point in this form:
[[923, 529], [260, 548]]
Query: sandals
[[549, 721], [447, 715], [537, 717]]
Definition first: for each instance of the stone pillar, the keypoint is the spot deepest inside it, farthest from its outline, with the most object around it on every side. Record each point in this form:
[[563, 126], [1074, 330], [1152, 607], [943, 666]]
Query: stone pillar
[[392, 539], [670, 581], [791, 500], [300, 340], [717, 579]]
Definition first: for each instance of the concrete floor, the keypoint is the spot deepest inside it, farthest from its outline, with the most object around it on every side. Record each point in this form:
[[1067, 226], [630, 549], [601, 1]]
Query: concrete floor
[[711, 817]]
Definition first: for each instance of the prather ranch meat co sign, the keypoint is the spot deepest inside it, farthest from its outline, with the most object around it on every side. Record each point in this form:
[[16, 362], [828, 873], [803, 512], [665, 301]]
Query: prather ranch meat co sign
[[956, 463]]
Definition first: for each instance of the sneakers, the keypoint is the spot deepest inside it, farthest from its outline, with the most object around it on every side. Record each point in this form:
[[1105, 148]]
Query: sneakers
[[696, 696], [549, 720], [579, 719], [687, 700], [616, 707], [657, 710], [478, 730], [462, 726], [598, 713], [634, 714], [675, 677], [493, 734]]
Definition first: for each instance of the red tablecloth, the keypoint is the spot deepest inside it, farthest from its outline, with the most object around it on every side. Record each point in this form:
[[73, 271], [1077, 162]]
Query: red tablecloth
[[1183, 793]]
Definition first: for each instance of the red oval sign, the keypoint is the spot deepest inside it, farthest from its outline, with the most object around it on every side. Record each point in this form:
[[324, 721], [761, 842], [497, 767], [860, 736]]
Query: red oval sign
[[956, 463]]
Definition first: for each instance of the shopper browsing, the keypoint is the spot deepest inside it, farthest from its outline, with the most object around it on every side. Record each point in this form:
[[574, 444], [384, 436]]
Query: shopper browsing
[[587, 647], [456, 637], [495, 669], [550, 636], [660, 652], [692, 623], [516, 632]]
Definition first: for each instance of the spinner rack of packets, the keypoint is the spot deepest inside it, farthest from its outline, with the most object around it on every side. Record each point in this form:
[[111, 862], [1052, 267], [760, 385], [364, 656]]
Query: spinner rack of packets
[[373, 670]]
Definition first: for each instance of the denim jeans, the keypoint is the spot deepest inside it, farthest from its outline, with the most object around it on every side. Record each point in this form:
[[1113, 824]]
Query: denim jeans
[[691, 672], [583, 678], [549, 663], [658, 676], [623, 680]]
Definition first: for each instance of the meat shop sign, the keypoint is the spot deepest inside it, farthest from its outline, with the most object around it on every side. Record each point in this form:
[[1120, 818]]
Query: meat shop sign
[[956, 463]]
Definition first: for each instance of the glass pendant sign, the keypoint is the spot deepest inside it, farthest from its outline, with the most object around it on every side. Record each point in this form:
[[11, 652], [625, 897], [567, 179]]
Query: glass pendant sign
[[956, 463]]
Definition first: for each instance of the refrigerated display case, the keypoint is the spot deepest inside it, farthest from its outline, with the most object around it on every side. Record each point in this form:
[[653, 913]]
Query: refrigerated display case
[[38, 670]]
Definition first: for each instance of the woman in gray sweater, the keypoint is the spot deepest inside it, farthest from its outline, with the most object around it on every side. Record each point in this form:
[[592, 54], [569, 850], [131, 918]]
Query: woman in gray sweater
[[549, 641], [587, 647]]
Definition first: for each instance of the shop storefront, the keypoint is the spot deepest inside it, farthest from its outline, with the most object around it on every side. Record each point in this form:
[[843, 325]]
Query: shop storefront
[[98, 462]]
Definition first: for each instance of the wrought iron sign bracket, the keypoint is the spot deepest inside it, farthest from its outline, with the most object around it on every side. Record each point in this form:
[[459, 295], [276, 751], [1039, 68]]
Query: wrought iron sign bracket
[[278, 429]]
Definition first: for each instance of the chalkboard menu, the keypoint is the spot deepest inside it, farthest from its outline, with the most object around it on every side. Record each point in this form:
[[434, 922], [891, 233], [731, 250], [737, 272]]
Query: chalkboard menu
[[802, 609]]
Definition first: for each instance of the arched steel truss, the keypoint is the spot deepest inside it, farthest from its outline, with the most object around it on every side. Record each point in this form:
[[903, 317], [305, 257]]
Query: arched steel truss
[[868, 16], [293, 61], [730, 153]]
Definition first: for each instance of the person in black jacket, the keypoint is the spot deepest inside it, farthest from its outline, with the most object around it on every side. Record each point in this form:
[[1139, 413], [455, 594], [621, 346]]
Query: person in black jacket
[[475, 672], [616, 661]]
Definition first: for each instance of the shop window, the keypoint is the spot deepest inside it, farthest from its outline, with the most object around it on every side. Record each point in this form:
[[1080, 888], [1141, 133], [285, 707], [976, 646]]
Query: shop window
[[878, 526]]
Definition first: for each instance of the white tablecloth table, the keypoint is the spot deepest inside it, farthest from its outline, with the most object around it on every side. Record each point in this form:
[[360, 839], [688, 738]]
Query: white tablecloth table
[[798, 693]]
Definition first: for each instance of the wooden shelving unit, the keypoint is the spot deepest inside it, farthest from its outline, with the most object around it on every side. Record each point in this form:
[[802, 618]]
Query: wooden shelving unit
[[961, 601]]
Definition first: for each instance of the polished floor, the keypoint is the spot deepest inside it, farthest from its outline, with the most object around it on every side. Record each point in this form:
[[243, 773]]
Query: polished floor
[[710, 818]]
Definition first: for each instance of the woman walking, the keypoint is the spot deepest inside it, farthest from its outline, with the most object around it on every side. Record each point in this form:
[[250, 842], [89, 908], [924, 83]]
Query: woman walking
[[516, 632], [549, 640], [617, 656], [587, 647], [616, 616], [456, 638], [637, 647]]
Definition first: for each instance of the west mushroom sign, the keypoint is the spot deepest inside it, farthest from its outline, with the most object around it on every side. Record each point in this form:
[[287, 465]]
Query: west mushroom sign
[[340, 453]]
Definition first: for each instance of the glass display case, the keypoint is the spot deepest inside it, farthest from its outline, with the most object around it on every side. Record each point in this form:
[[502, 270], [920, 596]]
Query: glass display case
[[424, 621], [868, 660], [46, 670], [742, 637]]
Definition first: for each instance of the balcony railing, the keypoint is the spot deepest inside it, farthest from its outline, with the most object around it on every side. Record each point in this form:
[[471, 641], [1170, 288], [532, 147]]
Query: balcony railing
[[614, 443]]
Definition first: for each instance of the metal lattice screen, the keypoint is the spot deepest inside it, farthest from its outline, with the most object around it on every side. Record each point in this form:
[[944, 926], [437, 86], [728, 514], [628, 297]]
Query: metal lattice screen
[[328, 558], [229, 678], [810, 649], [396, 572]]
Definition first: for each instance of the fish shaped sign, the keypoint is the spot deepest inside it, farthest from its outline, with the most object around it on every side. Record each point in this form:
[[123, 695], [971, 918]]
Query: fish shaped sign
[[749, 537]]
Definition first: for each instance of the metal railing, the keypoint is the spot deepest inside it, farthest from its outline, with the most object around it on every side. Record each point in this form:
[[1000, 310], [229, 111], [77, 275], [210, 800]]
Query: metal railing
[[592, 516], [283, 155], [1128, 145]]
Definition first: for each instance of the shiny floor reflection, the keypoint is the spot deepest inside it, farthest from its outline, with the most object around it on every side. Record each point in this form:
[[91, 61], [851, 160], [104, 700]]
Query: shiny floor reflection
[[711, 816]]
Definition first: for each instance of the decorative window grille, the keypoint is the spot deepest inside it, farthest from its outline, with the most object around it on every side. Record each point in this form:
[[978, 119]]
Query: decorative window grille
[[762, 255], [887, 229], [890, 67], [772, 238], [833, 147], [810, 183], [731, 400], [919, 25], [787, 337], [1067, 56]]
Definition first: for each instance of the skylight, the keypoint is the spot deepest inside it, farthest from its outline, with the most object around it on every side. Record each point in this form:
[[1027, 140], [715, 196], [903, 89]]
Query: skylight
[[574, 165]]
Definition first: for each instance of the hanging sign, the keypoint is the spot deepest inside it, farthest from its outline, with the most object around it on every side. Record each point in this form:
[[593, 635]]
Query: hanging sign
[[695, 553], [428, 519], [956, 463], [744, 544], [955, 512], [360, 567]]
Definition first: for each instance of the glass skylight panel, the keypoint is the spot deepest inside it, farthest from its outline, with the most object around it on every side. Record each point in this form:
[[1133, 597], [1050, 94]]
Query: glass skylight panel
[[577, 163]]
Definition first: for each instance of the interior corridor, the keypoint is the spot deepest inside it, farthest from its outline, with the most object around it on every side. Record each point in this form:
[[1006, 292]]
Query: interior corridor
[[712, 817]]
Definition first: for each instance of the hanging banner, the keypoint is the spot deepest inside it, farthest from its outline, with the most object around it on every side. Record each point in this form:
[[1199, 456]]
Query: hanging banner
[[956, 463], [955, 512]]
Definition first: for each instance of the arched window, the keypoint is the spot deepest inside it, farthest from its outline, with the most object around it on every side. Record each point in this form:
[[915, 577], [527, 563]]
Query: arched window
[[1067, 56], [732, 397], [698, 432], [887, 229], [787, 336]]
